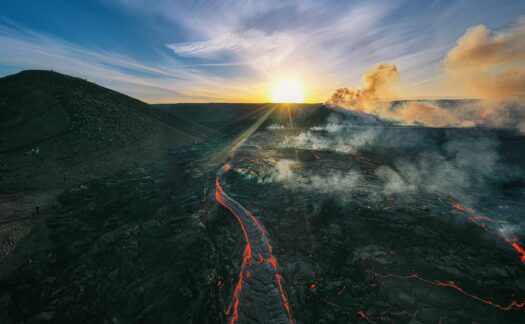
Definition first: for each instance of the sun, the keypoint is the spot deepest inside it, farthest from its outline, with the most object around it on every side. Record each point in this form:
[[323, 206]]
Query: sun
[[287, 91]]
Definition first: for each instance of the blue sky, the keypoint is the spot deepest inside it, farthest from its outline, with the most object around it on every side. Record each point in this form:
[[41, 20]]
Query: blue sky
[[201, 51]]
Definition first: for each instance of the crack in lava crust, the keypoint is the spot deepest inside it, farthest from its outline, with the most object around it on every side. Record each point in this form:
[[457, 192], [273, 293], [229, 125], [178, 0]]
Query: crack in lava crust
[[259, 275], [514, 304], [486, 223]]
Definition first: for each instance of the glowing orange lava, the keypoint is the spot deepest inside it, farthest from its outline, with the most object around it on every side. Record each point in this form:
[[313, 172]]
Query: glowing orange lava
[[520, 250], [481, 221], [248, 259], [484, 114], [462, 208]]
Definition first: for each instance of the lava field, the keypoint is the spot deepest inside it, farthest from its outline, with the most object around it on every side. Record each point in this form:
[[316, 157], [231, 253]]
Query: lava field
[[324, 223]]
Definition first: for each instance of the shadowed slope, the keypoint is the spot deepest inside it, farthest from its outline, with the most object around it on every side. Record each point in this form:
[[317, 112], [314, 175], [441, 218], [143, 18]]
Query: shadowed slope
[[54, 125]]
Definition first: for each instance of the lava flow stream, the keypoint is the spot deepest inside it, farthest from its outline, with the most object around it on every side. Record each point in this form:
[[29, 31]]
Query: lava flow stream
[[258, 296], [490, 226], [487, 225]]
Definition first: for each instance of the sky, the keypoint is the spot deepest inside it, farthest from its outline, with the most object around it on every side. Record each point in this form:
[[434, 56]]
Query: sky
[[235, 51]]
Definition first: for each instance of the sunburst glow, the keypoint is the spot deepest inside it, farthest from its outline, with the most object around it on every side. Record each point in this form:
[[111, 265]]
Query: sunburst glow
[[287, 91]]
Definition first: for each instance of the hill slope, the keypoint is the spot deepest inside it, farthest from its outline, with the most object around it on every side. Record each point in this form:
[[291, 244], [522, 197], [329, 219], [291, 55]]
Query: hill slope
[[225, 117], [56, 128], [58, 131]]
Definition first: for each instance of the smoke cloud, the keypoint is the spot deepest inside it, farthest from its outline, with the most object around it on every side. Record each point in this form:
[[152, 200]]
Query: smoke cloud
[[462, 165], [465, 167], [332, 137], [376, 84], [465, 164], [491, 67]]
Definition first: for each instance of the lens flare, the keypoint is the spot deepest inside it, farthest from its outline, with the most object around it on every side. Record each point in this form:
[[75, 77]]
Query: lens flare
[[287, 91]]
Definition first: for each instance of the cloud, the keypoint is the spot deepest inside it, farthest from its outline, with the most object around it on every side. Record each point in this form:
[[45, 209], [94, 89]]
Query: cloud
[[212, 47], [164, 81], [235, 50], [309, 41], [262, 48], [490, 66]]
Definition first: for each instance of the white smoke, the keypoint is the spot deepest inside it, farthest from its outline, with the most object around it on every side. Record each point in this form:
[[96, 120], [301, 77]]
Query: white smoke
[[337, 139], [282, 173], [463, 167], [466, 165], [331, 128], [276, 127], [393, 183]]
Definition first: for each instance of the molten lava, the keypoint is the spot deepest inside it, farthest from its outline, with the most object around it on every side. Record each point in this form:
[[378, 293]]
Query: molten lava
[[484, 114], [482, 221], [248, 259], [520, 250], [462, 208], [485, 223], [362, 315]]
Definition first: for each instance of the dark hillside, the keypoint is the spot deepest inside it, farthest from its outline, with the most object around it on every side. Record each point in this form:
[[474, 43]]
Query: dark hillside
[[58, 132], [227, 116], [55, 128]]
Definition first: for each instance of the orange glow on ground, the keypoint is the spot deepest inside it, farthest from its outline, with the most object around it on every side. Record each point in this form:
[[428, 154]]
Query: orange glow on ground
[[248, 259], [482, 221]]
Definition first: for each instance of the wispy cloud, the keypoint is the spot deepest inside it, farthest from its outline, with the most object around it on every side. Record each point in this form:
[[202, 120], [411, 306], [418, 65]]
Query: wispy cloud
[[236, 50], [26, 49], [233, 43]]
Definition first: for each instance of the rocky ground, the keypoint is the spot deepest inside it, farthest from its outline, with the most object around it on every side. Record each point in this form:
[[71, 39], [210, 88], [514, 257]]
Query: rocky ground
[[57, 132], [141, 245], [352, 253], [132, 247], [152, 244]]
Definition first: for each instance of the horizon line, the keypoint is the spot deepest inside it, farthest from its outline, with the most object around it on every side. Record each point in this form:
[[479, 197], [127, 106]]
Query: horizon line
[[313, 103]]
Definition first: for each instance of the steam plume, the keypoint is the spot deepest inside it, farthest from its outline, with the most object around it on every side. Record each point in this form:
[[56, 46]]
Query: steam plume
[[376, 84], [488, 66]]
